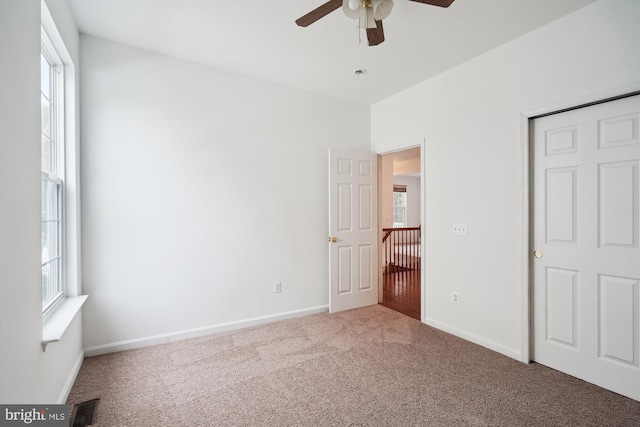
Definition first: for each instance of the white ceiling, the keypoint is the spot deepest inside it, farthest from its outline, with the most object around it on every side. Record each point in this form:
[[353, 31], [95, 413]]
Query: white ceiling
[[259, 38]]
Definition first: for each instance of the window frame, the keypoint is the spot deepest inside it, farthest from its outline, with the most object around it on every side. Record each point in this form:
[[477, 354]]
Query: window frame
[[56, 169], [402, 208]]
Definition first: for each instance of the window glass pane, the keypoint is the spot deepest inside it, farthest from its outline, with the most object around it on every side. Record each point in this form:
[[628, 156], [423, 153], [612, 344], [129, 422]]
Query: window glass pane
[[50, 220], [49, 200], [398, 216], [45, 76], [51, 234], [45, 286], [399, 199], [51, 239], [43, 198], [45, 155], [45, 115], [50, 282]]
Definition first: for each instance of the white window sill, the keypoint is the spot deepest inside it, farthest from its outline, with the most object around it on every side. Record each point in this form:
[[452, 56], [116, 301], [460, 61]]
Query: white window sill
[[55, 325]]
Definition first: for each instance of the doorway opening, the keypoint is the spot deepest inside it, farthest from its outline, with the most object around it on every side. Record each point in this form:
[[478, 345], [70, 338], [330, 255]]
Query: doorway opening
[[400, 217]]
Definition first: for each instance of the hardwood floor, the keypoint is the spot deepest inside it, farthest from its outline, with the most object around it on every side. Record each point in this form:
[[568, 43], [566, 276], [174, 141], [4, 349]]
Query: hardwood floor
[[401, 292]]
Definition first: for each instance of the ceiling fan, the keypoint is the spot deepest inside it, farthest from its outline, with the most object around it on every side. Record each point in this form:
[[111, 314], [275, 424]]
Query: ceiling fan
[[369, 14]]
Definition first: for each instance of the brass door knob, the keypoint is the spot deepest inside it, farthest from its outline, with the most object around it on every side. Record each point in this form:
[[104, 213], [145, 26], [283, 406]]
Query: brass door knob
[[537, 253], [334, 240]]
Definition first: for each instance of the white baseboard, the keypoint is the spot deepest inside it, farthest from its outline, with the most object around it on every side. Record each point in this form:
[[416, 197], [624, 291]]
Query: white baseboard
[[64, 395], [198, 332], [509, 352]]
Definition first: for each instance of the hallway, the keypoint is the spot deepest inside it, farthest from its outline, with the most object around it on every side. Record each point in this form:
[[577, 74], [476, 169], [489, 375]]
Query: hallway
[[401, 292]]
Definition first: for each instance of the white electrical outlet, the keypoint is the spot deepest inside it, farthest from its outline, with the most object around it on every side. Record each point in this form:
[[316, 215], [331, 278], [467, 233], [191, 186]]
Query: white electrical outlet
[[455, 297], [459, 229], [277, 287]]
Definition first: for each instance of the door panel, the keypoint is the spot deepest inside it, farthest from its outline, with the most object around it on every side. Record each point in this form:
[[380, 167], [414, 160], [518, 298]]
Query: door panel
[[586, 225], [618, 303], [618, 205], [561, 205], [562, 293], [353, 222]]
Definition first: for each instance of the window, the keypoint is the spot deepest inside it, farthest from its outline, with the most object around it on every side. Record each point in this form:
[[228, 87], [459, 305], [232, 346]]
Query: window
[[399, 205], [52, 173]]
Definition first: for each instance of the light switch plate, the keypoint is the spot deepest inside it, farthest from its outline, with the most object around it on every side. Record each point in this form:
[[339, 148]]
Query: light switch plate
[[459, 229]]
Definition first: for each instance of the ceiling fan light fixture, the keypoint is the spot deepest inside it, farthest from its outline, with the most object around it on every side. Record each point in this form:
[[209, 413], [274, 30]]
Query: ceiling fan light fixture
[[382, 9], [355, 4]]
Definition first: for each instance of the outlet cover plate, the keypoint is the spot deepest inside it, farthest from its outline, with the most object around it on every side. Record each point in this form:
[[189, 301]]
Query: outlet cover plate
[[455, 297]]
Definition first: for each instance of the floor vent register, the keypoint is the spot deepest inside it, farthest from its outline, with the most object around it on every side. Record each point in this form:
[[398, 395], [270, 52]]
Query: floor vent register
[[84, 413]]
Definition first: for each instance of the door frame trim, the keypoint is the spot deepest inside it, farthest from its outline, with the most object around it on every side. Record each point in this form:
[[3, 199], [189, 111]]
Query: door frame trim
[[526, 118], [393, 148]]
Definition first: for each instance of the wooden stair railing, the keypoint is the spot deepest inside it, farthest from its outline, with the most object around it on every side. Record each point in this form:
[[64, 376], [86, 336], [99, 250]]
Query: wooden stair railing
[[401, 249]]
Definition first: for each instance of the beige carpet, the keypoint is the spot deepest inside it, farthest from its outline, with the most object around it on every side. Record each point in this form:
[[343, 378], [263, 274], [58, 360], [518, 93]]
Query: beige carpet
[[366, 367]]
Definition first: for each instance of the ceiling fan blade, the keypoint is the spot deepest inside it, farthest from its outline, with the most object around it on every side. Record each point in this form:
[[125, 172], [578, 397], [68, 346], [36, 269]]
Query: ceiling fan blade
[[318, 13], [441, 3], [375, 35]]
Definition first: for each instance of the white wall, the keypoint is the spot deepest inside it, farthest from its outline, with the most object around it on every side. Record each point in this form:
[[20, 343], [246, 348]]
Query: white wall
[[27, 375], [200, 189], [475, 167]]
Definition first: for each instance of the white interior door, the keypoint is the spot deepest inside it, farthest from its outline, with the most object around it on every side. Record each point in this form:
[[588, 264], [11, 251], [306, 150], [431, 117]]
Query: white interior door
[[586, 265], [353, 230]]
